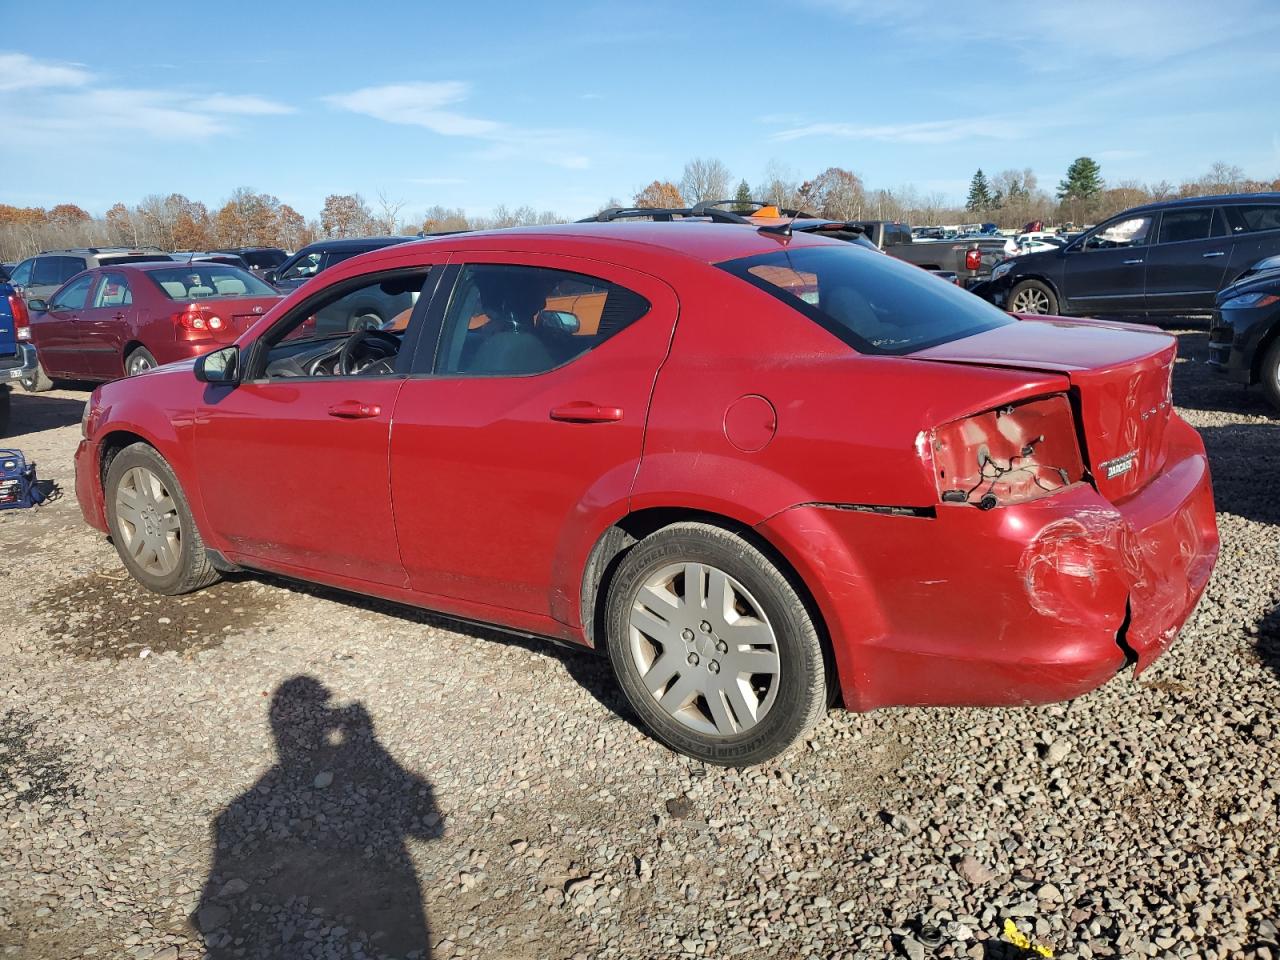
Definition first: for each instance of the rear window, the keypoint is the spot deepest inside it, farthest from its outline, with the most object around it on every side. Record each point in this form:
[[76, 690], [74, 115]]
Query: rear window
[[264, 259], [1247, 218], [872, 302], [202, 279], [133, 258]]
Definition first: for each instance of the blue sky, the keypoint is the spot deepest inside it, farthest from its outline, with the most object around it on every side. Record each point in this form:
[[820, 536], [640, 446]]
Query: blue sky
[[562, 106]]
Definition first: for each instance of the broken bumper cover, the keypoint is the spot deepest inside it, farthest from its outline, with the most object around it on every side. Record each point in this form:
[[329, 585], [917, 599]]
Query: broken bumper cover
[[1032, 603], [88, 490]]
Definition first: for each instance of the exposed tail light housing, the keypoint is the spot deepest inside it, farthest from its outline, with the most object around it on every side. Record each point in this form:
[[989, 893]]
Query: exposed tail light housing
[[21, 316], [973, 259], [1012, 454], [198, 322]]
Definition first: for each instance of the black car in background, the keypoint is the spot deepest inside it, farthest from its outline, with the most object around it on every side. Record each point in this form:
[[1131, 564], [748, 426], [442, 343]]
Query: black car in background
[[1244, 335], [320, 256], [1158, 260], [258, 259]]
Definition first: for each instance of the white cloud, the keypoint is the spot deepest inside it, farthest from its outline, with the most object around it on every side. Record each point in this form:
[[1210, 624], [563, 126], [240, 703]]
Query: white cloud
[[927, 132], [21, 72], [243, 104], [423, 104], [80, 106]]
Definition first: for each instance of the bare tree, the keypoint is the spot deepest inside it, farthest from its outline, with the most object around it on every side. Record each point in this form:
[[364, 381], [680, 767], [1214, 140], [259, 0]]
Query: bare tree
[[389, 212], [705, 180], [779, 187]]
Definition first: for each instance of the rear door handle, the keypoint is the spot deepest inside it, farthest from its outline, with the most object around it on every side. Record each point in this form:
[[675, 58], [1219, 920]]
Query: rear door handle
[[1220, 253], [354, 410], [1133, 261], [584, 411]]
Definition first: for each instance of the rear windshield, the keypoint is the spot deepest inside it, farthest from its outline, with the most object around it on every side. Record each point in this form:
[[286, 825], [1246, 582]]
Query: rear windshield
[[871, 301], [107, 258], [200, 279], [264, 259]]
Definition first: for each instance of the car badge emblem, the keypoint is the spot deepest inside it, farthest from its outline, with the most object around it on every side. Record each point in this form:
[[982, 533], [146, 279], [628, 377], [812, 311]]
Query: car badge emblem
[[257, 309], [1121, 464]]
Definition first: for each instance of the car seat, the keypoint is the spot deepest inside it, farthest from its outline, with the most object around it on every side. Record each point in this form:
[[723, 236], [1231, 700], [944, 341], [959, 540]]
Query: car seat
[[229, 286]]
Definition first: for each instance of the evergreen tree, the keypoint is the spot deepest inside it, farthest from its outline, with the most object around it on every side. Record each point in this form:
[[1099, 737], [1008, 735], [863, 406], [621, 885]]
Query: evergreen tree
[[979, 193], [742, 198], [1083, 182]]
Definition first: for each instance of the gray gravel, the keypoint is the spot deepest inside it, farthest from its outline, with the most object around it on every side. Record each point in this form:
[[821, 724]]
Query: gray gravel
[[267, 770]]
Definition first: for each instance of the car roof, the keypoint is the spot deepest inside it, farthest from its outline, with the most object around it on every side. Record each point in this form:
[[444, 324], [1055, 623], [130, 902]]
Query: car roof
[[697, 239], [148, 265], [1228, 199], [348, 243]]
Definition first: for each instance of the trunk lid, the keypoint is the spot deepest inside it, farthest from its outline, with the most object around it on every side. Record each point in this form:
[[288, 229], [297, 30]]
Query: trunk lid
[[1120, 379], [240, 313]]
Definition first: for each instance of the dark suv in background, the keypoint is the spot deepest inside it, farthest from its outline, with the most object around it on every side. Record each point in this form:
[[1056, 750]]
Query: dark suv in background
[[1158, 260], [258, 259], [39, 276], [320, 256]]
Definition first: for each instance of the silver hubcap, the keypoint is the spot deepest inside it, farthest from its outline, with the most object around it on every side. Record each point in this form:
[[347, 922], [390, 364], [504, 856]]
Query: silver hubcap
[[148, 522], [1031, 300], [138, 364], [704, 649]]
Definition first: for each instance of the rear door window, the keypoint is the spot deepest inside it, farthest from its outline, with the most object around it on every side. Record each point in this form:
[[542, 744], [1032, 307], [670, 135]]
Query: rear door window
[[51, 271], [874, 303], [113, 291], [1251, 218], [1185, 224]]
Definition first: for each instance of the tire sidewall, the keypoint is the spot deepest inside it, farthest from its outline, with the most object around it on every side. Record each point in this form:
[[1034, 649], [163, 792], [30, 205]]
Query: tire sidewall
[[141, 455], [799, 650], [135, 353], [1269, 374]]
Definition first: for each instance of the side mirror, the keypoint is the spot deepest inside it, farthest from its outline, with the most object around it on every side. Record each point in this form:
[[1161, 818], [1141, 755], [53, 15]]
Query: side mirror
[[558, 321], [221, 366], [37, 306]]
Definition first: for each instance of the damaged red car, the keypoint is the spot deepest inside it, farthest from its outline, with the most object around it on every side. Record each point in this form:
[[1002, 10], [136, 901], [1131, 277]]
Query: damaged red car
[[762, 472]]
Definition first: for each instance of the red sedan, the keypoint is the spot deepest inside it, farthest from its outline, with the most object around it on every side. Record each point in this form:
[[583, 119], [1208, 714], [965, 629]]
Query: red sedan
[[761, 472], [124, 319]]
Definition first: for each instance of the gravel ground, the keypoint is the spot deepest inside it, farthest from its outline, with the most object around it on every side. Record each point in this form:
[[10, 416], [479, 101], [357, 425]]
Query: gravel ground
[[270, 770]]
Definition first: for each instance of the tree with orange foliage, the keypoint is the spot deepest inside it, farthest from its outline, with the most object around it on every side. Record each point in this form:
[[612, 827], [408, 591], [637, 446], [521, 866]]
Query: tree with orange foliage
[[68, 213], [660, 193]]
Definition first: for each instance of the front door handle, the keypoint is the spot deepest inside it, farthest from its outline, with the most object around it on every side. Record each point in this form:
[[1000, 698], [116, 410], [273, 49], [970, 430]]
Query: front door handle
[[354, 410], [1219, 253], [117, 316], [1132, 261], [584, 411]]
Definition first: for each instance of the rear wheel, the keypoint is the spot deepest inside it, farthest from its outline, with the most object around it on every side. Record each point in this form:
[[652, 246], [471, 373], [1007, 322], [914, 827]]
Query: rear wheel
[[1269, 374], [139, 361], [37, 382], [151, 524], [1032, 296], [4, 411], [712, 646], [364, 321]]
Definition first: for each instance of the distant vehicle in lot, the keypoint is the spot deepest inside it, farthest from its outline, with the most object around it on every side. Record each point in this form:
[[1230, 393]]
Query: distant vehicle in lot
[[213, 256], [124, 319], [1157, 260], [37, 277], [258, 259], [17, 358], [1244, 335], [744, 463], [971, 258], [320, 256]]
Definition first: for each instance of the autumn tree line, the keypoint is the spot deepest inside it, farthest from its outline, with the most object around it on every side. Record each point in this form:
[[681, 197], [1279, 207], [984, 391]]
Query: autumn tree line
[[1009, 198]]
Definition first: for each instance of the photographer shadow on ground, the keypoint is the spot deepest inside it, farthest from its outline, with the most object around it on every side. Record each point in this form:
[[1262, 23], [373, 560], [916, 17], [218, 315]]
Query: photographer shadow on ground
[[316, 851]]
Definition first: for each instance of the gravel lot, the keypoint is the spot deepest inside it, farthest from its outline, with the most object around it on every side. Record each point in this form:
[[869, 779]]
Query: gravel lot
[[271, 770]]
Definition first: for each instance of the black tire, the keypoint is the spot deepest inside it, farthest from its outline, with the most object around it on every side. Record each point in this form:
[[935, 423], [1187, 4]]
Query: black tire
[[801, 695], [1036, 297], [193, 569], [139, 361], [5, 411], [364, 320], [1269, 374], [37, 382]]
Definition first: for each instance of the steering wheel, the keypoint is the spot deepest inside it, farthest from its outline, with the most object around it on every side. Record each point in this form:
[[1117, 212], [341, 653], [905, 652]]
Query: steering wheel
[[351, 350]]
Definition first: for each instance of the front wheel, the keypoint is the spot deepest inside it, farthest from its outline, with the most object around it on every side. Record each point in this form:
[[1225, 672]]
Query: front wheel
[[151, 524], [364, 321], [713, 647], [1269, 374], [1032, 296], [4, 411]]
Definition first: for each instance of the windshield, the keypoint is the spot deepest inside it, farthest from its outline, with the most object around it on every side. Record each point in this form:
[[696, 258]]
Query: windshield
[[201, 278], [874, 303]]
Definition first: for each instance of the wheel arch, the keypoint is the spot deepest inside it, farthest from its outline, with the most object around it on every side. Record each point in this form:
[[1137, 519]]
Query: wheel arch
[[616, 540], [1260, 352], [1039, 278]]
